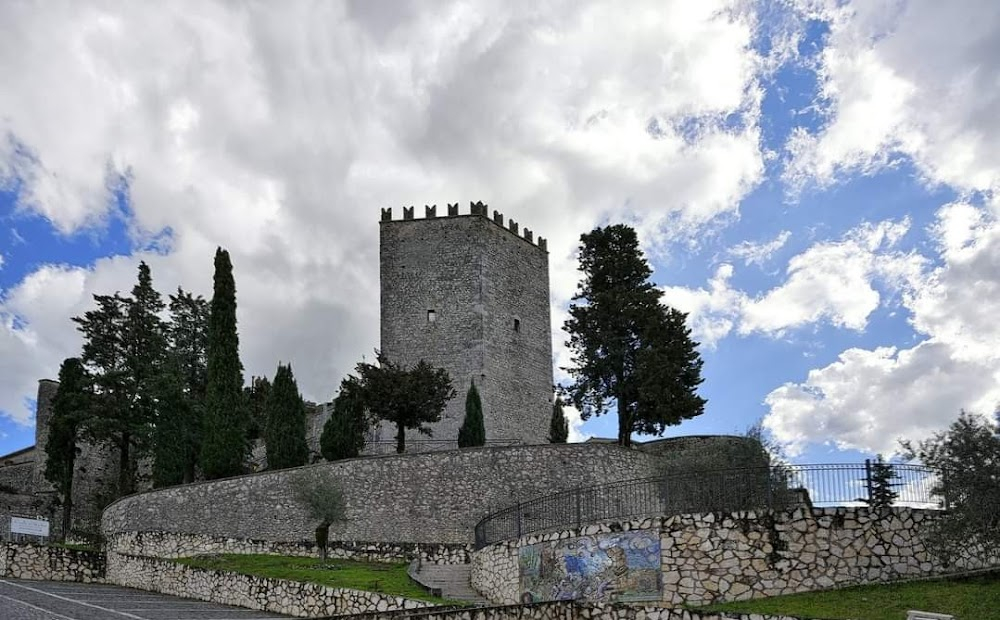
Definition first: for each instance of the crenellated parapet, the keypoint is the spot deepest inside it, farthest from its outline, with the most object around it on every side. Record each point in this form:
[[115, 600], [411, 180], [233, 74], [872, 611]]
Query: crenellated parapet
[[476, 209]]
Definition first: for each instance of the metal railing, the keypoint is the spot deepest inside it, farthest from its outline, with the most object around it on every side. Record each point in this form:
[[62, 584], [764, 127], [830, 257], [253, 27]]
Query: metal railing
[[374, 448], [723, 490]]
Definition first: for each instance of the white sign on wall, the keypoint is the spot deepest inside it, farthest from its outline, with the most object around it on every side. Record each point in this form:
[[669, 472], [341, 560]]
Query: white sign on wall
[[926, 615], [34, 527]]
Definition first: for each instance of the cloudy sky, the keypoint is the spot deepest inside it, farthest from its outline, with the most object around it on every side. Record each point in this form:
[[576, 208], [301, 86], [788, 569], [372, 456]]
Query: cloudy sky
[[817, 183]]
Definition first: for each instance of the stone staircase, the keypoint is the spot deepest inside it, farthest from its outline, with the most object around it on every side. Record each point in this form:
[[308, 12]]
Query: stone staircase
[[451, 580]]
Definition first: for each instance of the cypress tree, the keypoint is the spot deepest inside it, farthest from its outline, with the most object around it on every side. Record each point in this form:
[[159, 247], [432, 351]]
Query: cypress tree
[[285, 431], [343, 434], [70, 408], [558, 426], [473, 430], [224, 442]]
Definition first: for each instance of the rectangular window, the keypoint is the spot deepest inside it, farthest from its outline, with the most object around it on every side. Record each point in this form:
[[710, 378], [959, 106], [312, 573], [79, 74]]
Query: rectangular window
[[517, 325], [431, 316]]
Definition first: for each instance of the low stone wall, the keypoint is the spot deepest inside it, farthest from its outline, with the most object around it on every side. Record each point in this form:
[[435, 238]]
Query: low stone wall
[[710, 558], [435, 497], [174, 545], [26, 561], [568, 610], [304, 600]]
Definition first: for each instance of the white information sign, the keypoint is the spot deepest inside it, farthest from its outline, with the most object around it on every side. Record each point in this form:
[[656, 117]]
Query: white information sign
[[34, 527], [927, 615]]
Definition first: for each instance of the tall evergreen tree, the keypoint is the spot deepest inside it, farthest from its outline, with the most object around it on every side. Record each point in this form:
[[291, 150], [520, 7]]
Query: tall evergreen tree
[[70, 409], [473, 430], [181, 391], [558, 425], [285, 432], [224, 440], [256, 396], [628, 349], [123, 348], [408, 398], [343, 434]]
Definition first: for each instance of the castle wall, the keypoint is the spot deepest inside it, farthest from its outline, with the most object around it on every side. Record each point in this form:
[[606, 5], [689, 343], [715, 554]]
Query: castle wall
[[435, 497], [477, 277]]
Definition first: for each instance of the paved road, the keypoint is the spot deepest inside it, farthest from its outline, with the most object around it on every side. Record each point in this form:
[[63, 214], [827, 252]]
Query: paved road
[[53, 600]]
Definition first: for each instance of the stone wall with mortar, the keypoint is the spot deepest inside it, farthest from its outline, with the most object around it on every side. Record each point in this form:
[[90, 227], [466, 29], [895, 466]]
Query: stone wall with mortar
[[25, 561], [174, 545], [724, 557], [304, 600], [434, 497], [488, 288], [566, 610]]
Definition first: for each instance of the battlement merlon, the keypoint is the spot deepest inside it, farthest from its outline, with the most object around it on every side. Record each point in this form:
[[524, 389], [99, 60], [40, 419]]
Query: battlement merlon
[[476, 209]]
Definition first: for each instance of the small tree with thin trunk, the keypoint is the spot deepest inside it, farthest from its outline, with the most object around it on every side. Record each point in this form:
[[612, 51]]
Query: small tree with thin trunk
[[324, 502], [558, 425], [473, 430]]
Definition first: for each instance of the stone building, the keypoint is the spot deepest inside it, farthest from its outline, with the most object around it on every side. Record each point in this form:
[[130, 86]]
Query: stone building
[[470, 294]]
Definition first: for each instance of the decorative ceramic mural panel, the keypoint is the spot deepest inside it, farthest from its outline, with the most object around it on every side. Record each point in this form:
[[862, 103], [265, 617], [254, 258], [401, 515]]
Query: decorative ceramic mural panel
[[609, 567]]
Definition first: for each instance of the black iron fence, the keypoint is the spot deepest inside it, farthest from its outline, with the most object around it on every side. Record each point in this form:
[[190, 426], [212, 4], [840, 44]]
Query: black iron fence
[[373, 448], [723, 490]]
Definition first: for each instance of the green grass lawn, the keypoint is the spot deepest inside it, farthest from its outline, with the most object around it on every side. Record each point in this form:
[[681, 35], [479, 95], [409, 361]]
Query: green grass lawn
[[971, 598], [371, 576]]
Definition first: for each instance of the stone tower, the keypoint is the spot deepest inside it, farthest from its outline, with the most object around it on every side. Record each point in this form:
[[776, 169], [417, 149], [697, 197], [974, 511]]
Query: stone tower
[[469, 294]]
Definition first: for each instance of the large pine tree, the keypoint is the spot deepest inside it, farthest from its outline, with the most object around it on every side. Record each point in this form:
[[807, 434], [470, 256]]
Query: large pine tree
[[123, 348], [181, 391], [70, 409], [285, 431], [629, 351], [224, 440]]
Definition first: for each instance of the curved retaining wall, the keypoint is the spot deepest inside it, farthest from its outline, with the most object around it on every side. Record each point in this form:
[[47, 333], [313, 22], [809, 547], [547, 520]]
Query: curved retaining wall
[[433, 497], [709, 558]]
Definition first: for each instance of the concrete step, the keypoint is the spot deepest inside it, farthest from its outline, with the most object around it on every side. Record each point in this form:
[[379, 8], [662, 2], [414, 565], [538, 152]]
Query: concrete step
[[453, 580]]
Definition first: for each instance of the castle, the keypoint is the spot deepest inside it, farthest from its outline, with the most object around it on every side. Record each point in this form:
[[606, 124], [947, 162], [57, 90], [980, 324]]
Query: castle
[[465, 292]]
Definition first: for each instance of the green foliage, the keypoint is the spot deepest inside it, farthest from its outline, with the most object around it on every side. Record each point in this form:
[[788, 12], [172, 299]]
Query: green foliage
[[180, 392], [343, 434], [473, 430], [324, 502], [558, 425], [881, 474], [224, 440], [70, 409], [408, 398], [371, 576], [627, 348], [968, 457], [256, 397], [124, 343], [285, 431]]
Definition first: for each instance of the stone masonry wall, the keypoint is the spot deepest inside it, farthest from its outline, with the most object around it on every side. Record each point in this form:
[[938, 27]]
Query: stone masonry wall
[[478, 277], [710, 558], [566, 610], [173, 545], [25, 561], [306, 600], [435, 497]]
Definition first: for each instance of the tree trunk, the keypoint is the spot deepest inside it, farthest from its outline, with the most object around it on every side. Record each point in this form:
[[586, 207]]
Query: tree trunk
[[400, 438]]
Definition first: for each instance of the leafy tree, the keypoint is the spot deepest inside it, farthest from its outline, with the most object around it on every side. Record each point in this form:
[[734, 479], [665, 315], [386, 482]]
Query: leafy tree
[[343, 434], [70, 409], [123, 349], [224, 440], [627, 348], [473, 429], [181, 391], [880, 484], [256, 396], [285, 431], [408, 398], [558, 425], [967, 455], [323, 501]]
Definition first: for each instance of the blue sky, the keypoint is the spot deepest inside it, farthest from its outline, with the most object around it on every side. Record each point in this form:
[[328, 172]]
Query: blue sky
[[814, 182]]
